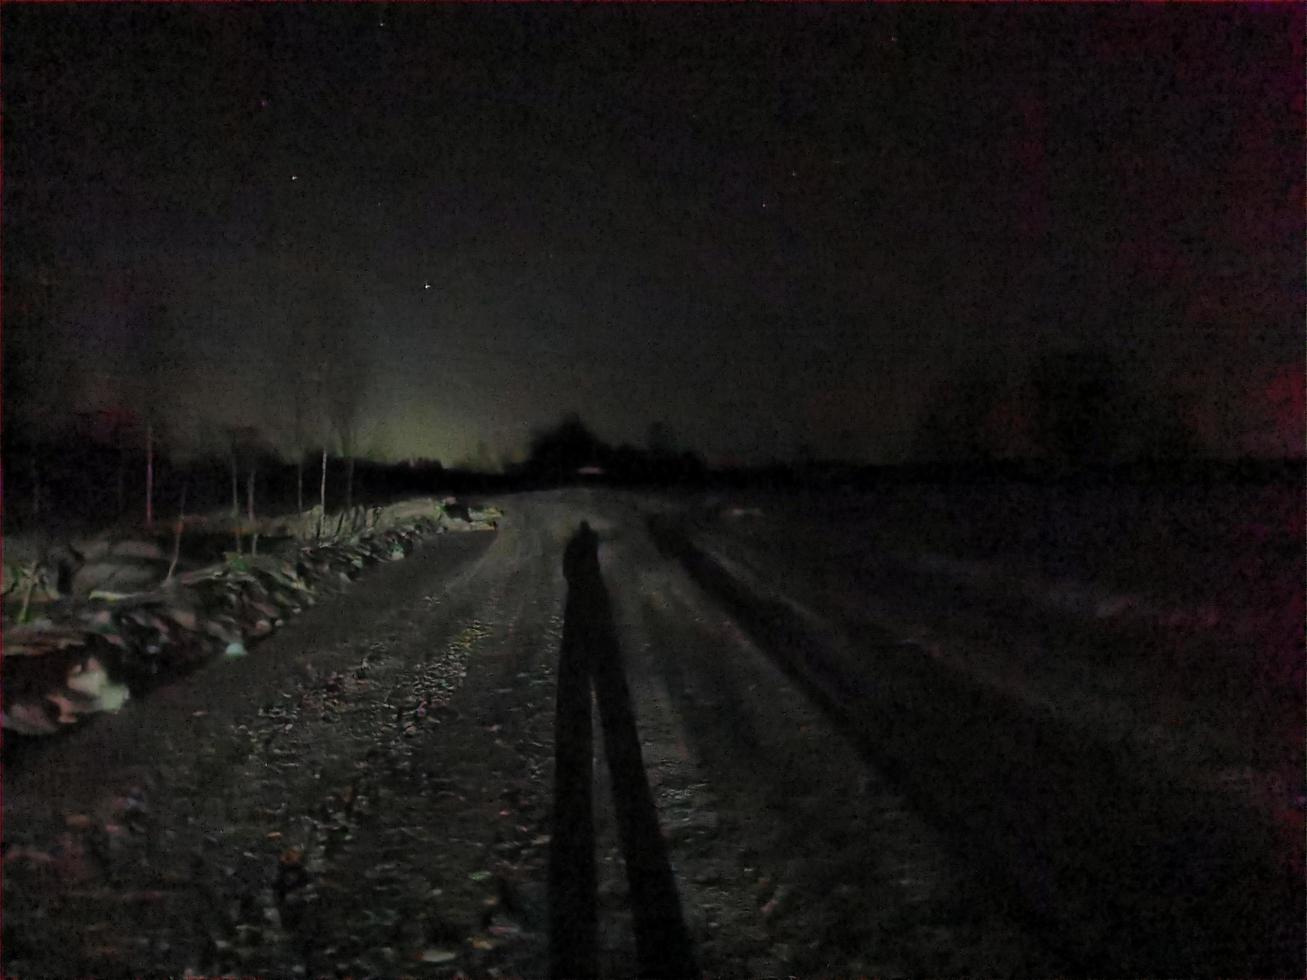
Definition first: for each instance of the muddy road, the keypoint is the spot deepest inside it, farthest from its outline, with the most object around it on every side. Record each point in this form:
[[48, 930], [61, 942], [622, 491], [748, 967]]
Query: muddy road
[[734, 777]]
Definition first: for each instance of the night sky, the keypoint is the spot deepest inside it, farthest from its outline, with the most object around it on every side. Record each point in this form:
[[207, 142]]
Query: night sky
[[767, 226]]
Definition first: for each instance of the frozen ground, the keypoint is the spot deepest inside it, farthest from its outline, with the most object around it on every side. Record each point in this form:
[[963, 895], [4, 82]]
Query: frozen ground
[[873, 742], [1122, 665]]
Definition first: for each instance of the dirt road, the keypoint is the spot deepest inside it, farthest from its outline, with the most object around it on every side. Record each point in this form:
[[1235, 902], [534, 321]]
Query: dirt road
[[372, 792]]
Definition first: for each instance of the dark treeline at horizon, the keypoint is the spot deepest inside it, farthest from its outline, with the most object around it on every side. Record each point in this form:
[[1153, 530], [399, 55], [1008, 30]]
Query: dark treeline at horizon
[[79, 481]]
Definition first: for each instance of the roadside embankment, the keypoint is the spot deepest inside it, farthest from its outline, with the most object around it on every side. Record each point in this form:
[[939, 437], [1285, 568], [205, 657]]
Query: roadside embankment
[[86, 653]]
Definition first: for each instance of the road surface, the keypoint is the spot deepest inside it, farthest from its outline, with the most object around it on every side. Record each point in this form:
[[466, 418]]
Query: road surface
[[800, 789]]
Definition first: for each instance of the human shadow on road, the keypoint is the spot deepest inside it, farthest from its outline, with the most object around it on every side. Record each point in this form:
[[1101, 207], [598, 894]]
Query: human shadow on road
[[573, 922], [590, 654]]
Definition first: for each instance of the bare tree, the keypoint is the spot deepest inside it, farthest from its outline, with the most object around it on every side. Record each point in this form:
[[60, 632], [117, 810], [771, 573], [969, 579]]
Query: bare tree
[[34, 367], [178, 529], [301, 392], [294, 396], [319, 378], [123, 427], [155, 359], [339, 372], [233, 458], [246, 444], [344, 398], [319, 385], [322, 491], [345, 376]]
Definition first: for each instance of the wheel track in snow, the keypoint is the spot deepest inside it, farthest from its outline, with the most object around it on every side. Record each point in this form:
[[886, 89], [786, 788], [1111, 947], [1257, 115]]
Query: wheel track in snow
[[1112, 861], [794, 853]]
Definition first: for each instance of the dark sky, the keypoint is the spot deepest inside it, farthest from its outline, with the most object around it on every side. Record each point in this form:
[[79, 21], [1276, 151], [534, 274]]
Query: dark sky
[[764, 225]]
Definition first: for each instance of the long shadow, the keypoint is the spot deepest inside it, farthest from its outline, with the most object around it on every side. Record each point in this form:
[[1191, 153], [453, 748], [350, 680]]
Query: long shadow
[[1121, 870], [590, 645], [573, 922]]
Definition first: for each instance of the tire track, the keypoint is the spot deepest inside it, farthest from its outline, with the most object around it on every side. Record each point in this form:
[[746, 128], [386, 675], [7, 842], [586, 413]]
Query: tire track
[[406, 853], [1124, 870], [799, 854]]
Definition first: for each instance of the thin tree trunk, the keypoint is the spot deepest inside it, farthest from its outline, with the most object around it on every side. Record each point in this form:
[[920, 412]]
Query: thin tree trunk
[[322, 492], [177, 535], [235, 489], [349, 484], [33, 570], [122, 477], [235, 503], [149, 474], [36, 485], [299, 484], [249, 511]]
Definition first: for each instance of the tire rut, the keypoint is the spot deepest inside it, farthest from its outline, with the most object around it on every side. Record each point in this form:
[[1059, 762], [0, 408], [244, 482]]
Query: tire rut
[[795, 855], [402, 904], [1110, 861]]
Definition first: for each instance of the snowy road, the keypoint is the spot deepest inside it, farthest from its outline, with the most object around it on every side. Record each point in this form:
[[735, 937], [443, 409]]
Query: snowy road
[[372, 791]]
